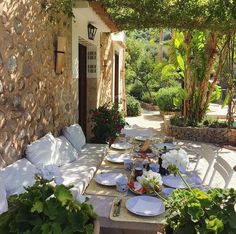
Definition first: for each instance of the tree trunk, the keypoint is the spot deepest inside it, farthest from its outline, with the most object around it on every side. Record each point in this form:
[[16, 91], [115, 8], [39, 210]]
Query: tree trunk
[[187, 74]]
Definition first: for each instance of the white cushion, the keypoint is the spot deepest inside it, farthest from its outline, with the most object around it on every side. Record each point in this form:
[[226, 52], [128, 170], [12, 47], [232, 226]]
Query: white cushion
[[65, 152], [42, 151], [74, 134], [3, 197], [18, 175]]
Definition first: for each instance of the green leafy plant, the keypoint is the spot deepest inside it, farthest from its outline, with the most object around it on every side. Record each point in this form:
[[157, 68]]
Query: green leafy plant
[[201, 212], [45, 209], [169, 99], [54, 9], [107, 122], [133, 106], [137, 90]]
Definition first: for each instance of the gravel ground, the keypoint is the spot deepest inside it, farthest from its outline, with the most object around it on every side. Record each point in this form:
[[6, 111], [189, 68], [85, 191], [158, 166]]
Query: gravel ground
[[150, 122]]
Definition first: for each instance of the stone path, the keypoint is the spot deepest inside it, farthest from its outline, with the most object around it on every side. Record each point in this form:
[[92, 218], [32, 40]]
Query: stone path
[[151, 121]]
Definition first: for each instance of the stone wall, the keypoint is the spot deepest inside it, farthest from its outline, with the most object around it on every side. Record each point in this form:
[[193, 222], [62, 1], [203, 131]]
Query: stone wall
[[211, 135], [33, 99]]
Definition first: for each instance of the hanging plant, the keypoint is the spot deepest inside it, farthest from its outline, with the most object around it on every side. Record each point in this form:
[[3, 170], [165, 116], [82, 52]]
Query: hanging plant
[[54, 9]]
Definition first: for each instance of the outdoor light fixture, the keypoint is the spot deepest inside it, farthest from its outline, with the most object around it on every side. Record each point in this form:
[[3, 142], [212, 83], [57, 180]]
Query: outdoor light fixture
[[91, 31], [60, 55]]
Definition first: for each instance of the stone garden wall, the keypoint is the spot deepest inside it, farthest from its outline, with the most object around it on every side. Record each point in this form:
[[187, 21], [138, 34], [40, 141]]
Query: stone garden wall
[[211, 135], [33, 99]]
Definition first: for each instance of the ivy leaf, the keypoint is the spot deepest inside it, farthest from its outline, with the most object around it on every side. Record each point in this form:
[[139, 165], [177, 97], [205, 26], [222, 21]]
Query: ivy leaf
[[214, 224], [195, 211], [63, 194], [37, 207]]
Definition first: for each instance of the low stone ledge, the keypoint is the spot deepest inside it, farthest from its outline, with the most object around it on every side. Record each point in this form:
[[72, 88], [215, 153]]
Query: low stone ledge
[[149, 106], [210, 135]]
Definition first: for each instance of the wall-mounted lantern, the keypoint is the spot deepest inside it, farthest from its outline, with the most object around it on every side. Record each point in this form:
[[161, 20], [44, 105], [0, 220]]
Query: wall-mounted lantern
[[91, 31], [60, 54]]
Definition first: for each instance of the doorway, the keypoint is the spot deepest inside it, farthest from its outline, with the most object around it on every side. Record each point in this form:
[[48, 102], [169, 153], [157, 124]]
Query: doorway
[[83, 87]]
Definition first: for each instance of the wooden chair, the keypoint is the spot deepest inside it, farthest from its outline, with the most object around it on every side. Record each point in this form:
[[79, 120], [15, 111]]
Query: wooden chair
[[224, 169]]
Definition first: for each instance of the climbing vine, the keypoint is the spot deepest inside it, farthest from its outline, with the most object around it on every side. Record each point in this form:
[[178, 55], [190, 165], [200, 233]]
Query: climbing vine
[[54, 9], [215, 15]]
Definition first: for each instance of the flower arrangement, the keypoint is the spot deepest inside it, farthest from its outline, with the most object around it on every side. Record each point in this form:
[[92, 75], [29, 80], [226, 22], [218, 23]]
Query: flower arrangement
[[147, 183], [195, 211], [175, 160], [107, 122]]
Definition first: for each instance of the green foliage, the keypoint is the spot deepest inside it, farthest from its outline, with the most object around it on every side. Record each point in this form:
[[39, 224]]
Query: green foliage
[[200, 212], [147, 98], [215, 15], [54, 9], [45, 209], [169, 99], [133, 106], [107, 122], [182, 122], [137, 90], [216, 95]]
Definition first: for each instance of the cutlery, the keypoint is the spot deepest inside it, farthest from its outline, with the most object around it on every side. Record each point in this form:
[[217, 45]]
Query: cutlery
[[117, 206]]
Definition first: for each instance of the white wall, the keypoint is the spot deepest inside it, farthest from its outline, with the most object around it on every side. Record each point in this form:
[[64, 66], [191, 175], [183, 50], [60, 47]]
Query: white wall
[[83, 16]]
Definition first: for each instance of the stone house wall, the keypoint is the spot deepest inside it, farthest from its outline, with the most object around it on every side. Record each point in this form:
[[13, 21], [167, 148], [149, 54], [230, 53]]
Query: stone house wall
[[33, 99]]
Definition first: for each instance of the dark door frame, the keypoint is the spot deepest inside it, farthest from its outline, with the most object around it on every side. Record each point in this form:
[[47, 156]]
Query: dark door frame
[[117, 78], [82, 87]]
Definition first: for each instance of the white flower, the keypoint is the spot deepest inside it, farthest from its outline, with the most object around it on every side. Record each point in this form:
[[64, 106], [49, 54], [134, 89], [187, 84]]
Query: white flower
[[179, 158], [151, 178]]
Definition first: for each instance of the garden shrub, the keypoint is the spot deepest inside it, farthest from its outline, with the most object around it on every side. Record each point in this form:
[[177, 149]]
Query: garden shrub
[[133, 106], [146, 98], [107, 122], [169, 99], [137, 90]]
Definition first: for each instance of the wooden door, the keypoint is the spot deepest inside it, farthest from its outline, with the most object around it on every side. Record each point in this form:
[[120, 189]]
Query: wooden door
[[83, 87], [116, 91]]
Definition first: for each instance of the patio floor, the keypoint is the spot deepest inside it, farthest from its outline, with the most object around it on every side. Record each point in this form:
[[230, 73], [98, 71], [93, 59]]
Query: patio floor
[[151, 121]]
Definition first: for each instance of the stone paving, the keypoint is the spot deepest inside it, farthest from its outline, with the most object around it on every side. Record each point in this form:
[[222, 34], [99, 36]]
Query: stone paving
[[151, 121]]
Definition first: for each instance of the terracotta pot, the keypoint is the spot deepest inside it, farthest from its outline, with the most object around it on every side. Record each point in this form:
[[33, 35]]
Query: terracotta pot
[[96, 227]]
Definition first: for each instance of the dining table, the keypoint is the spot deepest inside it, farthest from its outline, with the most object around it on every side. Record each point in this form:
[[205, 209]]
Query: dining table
[[103, 198]]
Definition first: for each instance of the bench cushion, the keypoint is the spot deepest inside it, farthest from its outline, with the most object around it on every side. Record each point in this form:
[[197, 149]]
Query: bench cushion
[[80, 172], [75, 135], [3, 197], [18, 175], [43, 151], [65, 152]]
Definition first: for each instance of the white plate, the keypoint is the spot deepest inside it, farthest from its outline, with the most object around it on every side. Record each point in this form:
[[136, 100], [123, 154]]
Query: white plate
[[176, 182], [108, 179], [145, 205], [118, 158], [169, 146], [141, 138], [121, 146]]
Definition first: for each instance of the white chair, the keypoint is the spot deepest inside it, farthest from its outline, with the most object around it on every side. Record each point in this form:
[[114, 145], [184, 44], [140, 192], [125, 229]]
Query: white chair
[[224, 169], [210, 160]]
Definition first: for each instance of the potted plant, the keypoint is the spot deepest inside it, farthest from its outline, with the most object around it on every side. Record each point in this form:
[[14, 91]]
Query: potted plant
[[44, 209], [194, 211], [107, 122]]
